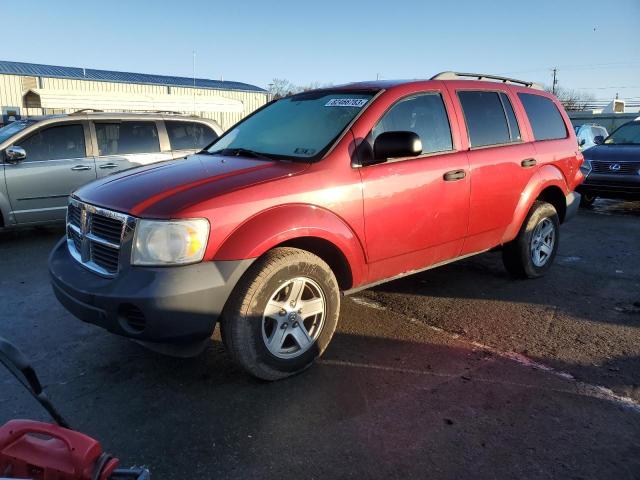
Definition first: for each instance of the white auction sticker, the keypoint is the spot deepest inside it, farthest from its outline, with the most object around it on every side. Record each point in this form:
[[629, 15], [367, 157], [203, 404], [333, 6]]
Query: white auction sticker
[[346, 102]]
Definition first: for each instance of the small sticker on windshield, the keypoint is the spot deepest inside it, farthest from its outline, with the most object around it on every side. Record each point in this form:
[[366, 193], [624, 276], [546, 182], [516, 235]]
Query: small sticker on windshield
[[304, 151], [346, 102]]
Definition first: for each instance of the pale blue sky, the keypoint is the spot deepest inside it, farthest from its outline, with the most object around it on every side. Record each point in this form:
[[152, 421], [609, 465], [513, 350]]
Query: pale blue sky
[[594, 44]]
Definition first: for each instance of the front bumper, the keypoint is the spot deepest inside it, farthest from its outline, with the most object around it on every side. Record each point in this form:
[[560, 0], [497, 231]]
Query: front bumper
[[611, 186], [177, 305]]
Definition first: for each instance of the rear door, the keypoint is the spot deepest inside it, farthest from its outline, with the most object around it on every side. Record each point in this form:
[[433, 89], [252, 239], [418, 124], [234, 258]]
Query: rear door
[[125, 144], [57, 163], [500, 162], [186, 137]]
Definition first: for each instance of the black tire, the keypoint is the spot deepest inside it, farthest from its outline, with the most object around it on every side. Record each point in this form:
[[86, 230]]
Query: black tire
[[241, 326], [517, 255], [586, 200]]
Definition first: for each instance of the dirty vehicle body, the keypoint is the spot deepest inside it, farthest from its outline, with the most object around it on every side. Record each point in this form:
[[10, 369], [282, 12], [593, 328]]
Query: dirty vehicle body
[[316, 194], [44, 159], [612, 168]]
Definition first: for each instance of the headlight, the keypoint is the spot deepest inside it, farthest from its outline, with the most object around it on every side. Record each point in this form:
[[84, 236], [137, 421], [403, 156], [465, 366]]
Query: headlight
[[585, 168], [174, 242]]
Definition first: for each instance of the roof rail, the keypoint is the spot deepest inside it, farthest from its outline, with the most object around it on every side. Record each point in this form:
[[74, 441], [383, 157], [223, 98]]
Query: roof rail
[[84, 110], [484, 76]]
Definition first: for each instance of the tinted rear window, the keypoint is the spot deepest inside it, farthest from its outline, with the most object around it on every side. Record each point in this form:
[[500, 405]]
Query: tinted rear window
[[545, 119], [485, 118], [189, 135], [127, 138]]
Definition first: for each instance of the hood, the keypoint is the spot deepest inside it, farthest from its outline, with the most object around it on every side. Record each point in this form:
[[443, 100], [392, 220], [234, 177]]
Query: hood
[[162, 190], [613, 153]]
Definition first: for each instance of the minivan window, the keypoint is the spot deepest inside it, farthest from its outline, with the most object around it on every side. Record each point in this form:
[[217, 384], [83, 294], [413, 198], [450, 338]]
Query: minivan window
[[423, 114], [302, 126], [10, 130], [545, 119], [189, 135], [485, 117], [54, 143], [514, 129], [127, 138]]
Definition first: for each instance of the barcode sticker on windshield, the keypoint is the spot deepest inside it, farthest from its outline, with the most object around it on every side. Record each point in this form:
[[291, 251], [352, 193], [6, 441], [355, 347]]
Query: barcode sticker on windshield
[[346, 102]]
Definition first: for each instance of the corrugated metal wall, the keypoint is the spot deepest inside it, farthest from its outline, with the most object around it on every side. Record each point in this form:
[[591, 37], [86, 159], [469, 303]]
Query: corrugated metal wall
[[13, 87]]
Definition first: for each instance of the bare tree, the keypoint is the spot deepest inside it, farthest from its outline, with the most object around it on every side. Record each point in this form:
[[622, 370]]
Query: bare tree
[[571, 99], [281, 87]]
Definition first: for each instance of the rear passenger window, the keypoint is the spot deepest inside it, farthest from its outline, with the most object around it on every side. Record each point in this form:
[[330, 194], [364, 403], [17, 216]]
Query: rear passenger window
[[127, 138], [545, 119], [189, 135], [486, 119], [54, 143], [423, 114]]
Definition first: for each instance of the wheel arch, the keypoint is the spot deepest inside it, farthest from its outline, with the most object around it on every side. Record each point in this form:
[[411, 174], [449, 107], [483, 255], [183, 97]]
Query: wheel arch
[[547, 184], [303, 226]]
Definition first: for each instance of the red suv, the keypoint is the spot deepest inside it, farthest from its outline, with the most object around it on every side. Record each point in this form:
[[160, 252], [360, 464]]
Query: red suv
[[315, 194]]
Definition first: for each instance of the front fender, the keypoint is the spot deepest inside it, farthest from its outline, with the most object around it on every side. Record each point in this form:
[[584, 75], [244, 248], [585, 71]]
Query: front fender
[[546, 176], [274, 226]]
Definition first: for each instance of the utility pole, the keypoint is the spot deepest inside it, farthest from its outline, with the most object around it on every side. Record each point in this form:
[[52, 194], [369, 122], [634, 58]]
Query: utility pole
[[194, 81], [555, 81]]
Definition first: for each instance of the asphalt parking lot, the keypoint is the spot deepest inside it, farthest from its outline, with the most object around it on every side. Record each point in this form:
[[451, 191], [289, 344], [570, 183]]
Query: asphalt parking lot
[[458, 372]]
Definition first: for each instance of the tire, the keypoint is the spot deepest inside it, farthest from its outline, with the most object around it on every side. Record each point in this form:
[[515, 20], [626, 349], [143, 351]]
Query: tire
[[269, 336], [525, 258], [586, 200]]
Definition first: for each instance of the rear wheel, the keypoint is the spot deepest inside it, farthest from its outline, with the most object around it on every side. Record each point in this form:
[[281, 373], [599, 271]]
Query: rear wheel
[[586, 200], [532, 252], [282, 314]]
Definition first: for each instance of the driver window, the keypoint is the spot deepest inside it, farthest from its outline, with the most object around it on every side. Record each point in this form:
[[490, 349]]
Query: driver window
[[55, 143], [423, 114]]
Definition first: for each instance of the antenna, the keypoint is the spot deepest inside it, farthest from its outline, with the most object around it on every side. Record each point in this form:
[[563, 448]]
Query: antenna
[[194, 81]]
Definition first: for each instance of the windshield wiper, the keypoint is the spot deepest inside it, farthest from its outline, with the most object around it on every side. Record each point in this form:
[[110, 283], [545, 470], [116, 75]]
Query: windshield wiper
[[237, 152]]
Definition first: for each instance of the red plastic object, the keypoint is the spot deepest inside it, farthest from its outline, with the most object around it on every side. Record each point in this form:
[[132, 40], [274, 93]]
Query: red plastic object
[[42, 451]]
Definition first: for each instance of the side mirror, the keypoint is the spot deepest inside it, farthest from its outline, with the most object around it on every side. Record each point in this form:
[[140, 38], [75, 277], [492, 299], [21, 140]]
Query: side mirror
[[598, 139], [15, 154], [396, 145], [582, 142]]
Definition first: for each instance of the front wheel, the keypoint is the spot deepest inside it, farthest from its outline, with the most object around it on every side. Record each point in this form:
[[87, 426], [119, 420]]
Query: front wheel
[[586, 200], [531, 253], [282, 314]]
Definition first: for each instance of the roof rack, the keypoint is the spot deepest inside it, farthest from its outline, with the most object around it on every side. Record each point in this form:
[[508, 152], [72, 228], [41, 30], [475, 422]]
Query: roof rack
[[484, 76], [84, 110]]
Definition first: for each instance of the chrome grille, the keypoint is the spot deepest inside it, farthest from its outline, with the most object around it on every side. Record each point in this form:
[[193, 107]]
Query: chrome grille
[[615, 168], [94, 236]]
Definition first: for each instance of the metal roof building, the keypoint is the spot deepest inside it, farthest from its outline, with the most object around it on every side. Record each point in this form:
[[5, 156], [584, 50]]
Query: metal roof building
[[35, 89]]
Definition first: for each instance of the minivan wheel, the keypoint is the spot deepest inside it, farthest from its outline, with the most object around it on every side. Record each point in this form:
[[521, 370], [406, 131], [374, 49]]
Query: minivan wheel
[[282, 314], [532, 252]]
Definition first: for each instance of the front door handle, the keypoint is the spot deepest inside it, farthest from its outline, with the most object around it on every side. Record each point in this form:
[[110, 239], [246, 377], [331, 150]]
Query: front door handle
[[80, 167], [454, 175], [109, 165], [529, 162]]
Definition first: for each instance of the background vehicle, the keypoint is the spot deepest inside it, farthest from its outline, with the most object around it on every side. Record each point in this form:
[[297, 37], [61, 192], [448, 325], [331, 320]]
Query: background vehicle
[[45, 159], [325, 191], [612, 169], [587, 134]]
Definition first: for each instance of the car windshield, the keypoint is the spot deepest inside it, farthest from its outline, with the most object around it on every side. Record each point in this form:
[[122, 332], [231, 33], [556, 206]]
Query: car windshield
[[302, 126], [628, 134], [13, 128]]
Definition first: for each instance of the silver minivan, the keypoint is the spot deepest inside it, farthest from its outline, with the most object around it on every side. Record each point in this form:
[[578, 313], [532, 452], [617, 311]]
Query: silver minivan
[[44, 159]]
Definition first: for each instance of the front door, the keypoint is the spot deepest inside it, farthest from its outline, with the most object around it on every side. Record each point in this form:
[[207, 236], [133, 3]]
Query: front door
[[56, 164], [416, 209], [126, 144]]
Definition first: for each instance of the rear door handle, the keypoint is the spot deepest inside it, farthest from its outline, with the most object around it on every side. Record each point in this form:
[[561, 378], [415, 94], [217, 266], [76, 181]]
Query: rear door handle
[[80, 167], [529, 162], [109, 165], [454, 175]]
